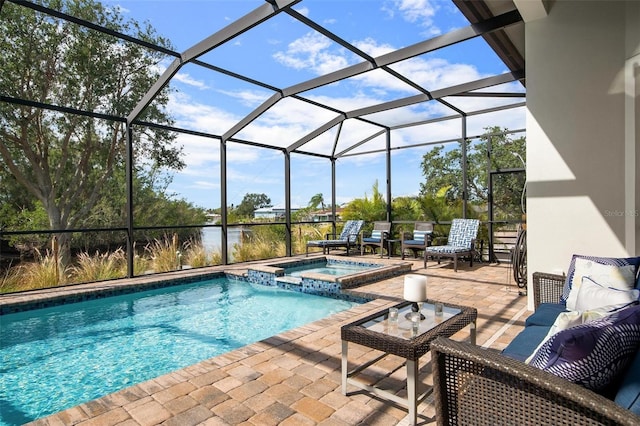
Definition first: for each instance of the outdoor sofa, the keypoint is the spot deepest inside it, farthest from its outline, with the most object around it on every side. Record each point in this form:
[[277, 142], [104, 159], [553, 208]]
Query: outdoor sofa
[[590, 372]]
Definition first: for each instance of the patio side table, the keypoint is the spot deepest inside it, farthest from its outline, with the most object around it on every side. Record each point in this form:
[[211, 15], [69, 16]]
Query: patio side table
[[374, 331], [390, 244]]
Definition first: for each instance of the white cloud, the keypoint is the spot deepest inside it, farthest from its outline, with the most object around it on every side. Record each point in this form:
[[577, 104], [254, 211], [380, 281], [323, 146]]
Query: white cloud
[[187, 79], [315, 53], [304, 11], [312, 52], [250, 98], [420, 12]]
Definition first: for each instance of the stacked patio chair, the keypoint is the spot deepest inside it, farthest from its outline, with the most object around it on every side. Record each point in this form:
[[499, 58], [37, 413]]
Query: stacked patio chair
[[348, 238], [460, 243]]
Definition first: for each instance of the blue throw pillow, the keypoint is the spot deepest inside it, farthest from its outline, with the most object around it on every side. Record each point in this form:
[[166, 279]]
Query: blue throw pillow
[[613, 261], [593, 354]]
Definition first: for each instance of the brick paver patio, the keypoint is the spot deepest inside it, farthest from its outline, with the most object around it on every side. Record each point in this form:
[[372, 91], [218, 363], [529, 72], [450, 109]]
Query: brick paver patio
[[294, 378]]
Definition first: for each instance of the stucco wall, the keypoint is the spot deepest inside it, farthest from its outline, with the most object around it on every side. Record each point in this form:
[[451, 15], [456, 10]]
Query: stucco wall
[[581, 157]]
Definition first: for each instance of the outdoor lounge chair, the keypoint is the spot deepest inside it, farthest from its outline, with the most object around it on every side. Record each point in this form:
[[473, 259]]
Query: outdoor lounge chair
[[419, 240], [348, 238], [461, 242], [376, 238]]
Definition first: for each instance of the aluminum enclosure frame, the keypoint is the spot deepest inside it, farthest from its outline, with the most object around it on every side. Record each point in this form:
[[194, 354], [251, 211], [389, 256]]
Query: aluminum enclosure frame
[[484, 24]]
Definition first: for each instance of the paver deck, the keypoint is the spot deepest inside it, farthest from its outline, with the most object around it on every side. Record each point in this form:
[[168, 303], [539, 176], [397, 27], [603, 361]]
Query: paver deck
[[294, 378]]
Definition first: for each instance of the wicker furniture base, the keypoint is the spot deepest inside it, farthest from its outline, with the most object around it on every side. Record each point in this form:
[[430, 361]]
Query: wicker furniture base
[[483, 387], [374, 331]]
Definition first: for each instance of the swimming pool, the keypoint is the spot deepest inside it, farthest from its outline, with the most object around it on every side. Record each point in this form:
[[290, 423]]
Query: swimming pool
[[59, 357]]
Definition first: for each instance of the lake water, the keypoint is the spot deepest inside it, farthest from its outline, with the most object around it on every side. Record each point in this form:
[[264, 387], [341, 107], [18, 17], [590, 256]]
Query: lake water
[[212, 238]]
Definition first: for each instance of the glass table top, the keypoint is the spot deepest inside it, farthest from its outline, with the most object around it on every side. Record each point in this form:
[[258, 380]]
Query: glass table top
[[403, 327]]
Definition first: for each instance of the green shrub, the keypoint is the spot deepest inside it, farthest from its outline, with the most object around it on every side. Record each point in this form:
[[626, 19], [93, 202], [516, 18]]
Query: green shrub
[[216, 258], [164, 256], [140, 265], [195, 255], [257, 248], [45, 272], [100, 267]]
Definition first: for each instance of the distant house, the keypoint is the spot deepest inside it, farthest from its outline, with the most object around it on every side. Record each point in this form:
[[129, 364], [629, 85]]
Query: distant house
[[325, 215], [213, 217], [272, 213]]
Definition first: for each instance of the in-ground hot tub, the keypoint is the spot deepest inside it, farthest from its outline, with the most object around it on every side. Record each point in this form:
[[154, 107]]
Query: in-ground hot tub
[[325, 274]]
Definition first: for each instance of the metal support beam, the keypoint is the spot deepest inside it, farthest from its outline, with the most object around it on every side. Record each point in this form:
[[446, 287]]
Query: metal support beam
[[238, 27], [362, 142], [129, 189], [337, 139], [160, 83], [223, 201], [333, 193], [389, 218], [408, 52], [437, 94], [287, 201], [248, 21], [253, 115], [465, 189], [490, 198], [474, 85], [317, 132], [453, 37]]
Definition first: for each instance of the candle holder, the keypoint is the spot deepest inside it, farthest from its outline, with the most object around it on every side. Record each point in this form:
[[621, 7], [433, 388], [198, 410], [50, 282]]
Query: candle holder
[[415, 290]]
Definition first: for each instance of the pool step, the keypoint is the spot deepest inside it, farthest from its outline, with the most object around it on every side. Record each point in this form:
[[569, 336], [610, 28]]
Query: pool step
[[289, 280]]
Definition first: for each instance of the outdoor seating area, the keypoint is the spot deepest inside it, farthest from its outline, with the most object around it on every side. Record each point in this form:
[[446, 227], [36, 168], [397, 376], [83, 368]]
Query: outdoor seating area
[[144, 151], [579, 366], [298, 377], [295, 377]]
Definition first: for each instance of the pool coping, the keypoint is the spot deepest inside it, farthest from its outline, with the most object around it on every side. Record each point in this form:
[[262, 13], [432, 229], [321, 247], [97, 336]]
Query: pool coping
[[55, 296]]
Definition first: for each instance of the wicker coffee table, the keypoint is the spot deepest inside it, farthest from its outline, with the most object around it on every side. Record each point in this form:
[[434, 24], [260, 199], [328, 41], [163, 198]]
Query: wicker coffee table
[[375, 332]]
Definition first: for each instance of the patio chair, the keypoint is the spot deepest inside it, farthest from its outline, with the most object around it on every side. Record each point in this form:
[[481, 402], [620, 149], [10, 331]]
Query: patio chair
[[348, 238], [376, 238], [460, 243], [417, 241]]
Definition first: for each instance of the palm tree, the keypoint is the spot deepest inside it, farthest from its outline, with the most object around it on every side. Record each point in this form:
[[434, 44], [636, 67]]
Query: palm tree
[[367, 209], [316, 200]]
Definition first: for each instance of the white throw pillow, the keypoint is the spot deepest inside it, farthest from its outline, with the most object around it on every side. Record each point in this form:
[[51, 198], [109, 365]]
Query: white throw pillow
[[593, 295], [570, 319], [619, 277]]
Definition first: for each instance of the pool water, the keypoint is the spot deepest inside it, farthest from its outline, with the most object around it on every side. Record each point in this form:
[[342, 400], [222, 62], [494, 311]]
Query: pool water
[[59, 357], [337, 269]]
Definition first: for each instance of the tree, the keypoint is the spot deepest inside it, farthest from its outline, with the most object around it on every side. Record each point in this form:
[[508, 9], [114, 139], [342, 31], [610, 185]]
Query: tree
[[316, 200], [367, 209], [442, 170], [250, 203], [65, 161]]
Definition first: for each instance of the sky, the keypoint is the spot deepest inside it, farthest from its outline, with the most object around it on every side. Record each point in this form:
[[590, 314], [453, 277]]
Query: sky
[[283, 52]]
